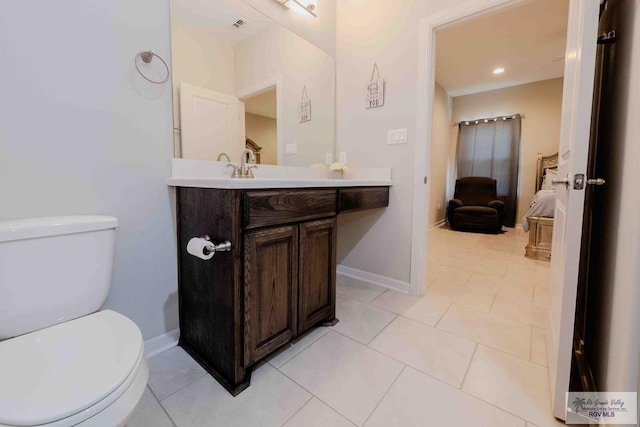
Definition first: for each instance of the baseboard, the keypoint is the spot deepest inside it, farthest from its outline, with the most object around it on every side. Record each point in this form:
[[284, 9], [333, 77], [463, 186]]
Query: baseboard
[[437, 224], [376, 279], [161, 343]]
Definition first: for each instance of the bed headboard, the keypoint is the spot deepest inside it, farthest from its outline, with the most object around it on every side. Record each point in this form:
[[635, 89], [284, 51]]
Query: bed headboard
[[544, 162]]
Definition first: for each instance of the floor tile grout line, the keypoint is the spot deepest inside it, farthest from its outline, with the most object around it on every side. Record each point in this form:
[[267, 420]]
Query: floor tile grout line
[[328, 328], [387, 290], [491, 403], [184, 386], [481, 343], [379, 352], [497, 315], [466, 372], [531, 345], [442, 317], [162, 406], [384, 395], [395, 316], [463, 391], [493, 300], [304, 349], [311, 396]]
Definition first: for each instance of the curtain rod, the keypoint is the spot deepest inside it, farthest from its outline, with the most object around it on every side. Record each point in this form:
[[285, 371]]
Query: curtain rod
[[488, 119]]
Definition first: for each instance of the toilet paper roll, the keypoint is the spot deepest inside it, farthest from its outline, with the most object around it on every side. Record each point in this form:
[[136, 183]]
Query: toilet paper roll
[[196, 248]]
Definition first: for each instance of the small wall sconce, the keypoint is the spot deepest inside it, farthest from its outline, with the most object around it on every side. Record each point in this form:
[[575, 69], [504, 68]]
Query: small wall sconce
[[309, 6]]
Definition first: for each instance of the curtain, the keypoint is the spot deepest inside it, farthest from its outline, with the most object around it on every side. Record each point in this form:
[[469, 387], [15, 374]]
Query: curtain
[[491, 148]]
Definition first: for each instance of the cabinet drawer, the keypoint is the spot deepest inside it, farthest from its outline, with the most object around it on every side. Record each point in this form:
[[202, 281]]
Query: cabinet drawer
[[358, 199], [273, 207]]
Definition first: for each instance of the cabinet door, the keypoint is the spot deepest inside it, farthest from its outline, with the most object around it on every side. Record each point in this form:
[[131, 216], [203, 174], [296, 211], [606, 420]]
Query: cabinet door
[[317, 273], [271, 290]]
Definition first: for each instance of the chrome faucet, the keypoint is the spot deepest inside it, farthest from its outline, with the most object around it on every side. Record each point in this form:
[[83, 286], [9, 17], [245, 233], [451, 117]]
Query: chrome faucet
[[225, 155], [244, 170]]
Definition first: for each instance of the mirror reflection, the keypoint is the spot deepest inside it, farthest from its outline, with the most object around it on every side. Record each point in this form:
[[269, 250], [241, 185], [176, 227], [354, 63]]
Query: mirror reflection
[[241, 81]]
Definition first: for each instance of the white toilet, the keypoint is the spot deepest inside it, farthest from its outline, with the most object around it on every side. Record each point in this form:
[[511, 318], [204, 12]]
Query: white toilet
[[63, 362]]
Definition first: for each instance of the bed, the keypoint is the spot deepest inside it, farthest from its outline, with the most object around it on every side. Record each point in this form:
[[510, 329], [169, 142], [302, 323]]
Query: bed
[[539, 218]]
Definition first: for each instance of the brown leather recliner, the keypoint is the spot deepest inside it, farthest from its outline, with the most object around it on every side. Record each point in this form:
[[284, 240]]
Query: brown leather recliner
[[475, 206]]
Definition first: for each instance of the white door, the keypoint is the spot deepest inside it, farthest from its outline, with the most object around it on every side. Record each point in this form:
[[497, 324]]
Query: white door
[[567, 229], [211, 123]]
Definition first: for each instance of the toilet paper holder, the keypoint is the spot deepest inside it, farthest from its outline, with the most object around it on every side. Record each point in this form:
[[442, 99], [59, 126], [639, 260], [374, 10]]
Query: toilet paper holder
[[213, 248]]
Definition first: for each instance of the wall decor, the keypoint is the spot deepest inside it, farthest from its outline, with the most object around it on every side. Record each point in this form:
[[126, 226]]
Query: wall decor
[[304, 110], [375, 89]]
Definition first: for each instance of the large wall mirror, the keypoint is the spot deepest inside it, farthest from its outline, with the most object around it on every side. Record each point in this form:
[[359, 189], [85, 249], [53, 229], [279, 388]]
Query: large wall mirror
[[239, 79]]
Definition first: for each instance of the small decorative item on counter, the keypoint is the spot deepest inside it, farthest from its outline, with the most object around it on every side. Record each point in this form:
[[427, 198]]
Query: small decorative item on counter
[[338, 169]]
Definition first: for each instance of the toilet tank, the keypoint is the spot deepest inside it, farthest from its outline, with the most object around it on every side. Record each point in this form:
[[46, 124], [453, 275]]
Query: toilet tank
[[53, 270]]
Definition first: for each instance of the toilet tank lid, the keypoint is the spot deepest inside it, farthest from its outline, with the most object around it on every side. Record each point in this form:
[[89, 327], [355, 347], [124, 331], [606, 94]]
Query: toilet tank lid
[[33, 228]]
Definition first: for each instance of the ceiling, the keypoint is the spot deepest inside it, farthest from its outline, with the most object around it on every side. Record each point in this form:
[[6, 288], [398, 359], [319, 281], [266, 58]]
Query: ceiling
[[527, 40], [262, 105], [216, 17]]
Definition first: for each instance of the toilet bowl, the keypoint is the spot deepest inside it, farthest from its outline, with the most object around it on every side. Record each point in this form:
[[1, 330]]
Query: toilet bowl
[[63, 362], [89, 371]]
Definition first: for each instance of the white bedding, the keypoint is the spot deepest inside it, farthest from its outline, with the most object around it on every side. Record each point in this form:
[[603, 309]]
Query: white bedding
[[543, 204]]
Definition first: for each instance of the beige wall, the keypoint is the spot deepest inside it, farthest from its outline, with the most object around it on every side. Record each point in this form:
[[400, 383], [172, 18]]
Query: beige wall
[[541, 102], [263, 131], [279, 52], [199, 59], [321, 30], [385, 32], [441, 132]]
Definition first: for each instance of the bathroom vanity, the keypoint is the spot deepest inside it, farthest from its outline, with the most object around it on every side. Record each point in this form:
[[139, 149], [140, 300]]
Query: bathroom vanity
[[277, 282]]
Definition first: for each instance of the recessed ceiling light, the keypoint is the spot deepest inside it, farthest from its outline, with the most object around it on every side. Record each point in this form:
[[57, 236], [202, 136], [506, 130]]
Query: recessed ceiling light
[[498, 71]]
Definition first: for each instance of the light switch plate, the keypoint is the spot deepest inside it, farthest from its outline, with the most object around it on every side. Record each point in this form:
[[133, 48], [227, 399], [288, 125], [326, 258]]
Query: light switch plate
[[291, 148], [343, 157], [328, 158], [397, 136]]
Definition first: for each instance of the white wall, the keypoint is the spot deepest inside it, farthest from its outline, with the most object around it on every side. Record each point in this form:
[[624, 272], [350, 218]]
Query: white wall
[[263, 131], [321, 30], [82, 133], [541, 102], [279, 52], [441, 132], [385, 32], [202, 60]]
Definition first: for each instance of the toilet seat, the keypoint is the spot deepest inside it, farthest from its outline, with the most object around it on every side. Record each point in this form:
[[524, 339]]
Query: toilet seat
[[70, 372]]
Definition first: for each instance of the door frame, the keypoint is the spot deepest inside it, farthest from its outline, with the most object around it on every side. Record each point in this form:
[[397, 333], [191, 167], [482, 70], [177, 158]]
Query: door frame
[[257, 89], [421, 192]]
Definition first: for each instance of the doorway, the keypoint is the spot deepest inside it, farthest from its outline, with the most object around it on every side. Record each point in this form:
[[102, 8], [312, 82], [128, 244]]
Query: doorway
[[261, 126], [574, 121]]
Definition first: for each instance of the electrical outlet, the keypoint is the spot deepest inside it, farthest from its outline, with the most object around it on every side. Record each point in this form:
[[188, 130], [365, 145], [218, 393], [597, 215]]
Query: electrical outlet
[[291, 148], [343, 157], [397, 136], [328, 158]]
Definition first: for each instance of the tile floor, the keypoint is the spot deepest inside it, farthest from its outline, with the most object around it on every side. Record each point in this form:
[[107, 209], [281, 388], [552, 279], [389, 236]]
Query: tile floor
[[471, 352]]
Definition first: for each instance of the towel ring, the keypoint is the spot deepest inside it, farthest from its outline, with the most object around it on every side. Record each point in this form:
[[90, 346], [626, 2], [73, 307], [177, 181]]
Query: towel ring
[[147, 57]]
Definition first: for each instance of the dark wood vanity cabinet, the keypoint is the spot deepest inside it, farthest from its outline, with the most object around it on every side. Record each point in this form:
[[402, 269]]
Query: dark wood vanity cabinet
[[277, 282], [317, 274], [270, 290]]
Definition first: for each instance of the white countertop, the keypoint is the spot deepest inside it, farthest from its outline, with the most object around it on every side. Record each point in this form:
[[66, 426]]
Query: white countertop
[[272, 182], [208, 174]]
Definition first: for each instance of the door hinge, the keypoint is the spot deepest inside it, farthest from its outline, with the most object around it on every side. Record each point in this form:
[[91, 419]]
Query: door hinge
[[607, 38]]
